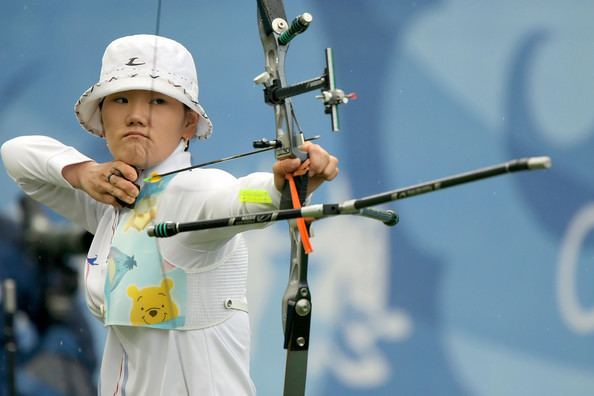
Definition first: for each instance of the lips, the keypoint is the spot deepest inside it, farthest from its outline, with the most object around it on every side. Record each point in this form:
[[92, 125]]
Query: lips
[[135, 134]]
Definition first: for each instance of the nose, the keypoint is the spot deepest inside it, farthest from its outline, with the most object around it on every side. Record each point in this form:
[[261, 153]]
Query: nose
[[139, 113]]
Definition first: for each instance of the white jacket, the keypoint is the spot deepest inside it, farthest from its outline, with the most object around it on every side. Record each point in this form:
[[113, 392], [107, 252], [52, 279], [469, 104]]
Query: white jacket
[[213, 360]]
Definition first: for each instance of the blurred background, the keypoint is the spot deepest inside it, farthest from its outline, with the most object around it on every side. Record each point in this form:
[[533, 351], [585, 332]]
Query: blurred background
[[484, 289]]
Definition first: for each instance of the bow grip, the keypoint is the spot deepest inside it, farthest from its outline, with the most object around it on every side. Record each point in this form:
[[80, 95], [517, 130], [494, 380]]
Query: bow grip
[[301, 183]]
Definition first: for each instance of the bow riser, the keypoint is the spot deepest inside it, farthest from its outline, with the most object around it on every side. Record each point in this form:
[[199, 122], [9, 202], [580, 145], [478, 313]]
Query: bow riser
[[272, 24]]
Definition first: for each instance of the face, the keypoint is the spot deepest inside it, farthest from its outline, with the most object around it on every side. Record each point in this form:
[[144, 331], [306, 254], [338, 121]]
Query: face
[[142, 128]]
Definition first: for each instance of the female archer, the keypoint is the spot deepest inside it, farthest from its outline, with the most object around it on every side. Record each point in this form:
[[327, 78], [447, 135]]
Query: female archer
[[175, 309]]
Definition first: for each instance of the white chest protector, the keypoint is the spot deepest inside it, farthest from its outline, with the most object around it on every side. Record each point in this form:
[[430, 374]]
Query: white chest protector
[[144, 289]]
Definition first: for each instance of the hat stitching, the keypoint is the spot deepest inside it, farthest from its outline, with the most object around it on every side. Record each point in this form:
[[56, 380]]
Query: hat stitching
[[172, 83], [118, 70], [153, 76]]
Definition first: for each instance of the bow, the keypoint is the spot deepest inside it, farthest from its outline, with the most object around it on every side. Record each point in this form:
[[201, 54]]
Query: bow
[[276, 34]]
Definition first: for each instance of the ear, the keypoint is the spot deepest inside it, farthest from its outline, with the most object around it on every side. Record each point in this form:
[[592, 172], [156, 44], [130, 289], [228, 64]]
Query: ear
[[167, 284], [190, 124], [132, 291]]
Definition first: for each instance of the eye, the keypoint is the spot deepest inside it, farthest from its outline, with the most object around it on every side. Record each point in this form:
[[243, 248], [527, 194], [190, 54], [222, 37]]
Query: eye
[[120, 99], [158, 101]]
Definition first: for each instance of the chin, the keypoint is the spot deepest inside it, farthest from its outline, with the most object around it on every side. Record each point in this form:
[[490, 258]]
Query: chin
[[137, 161]]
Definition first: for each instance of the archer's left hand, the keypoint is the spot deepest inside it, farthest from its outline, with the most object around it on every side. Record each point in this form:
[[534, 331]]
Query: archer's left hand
[[322, 167]]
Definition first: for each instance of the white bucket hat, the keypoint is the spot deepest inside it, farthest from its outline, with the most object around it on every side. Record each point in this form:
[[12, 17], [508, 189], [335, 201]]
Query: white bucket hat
[[146, 62]]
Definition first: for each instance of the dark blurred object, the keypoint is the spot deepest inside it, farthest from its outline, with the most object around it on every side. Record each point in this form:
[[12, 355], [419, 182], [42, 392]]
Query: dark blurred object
[[58, 357], [9, 303], [43, 237], [51, 245]]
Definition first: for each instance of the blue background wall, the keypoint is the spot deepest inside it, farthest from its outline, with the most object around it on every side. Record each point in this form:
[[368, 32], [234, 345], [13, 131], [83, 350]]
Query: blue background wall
[[485, 289]]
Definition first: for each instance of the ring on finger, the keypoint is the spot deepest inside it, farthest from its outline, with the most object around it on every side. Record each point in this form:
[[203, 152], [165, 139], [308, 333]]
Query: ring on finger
[[113, 172]]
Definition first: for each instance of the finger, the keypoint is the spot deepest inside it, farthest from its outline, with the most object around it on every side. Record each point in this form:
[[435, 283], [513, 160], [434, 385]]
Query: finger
[[122, 176], [306, 146], [128, 188], [120, 189], [283, 167], [121, 195], [322, 163], [318, 165], [125, 171], [331, 170], [125, 204], [114, 202]]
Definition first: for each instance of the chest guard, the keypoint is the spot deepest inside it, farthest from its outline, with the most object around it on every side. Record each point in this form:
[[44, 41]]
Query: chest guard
[[143, 289]]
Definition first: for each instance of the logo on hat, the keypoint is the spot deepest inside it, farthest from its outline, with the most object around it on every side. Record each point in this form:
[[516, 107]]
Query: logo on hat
[[131, 62]]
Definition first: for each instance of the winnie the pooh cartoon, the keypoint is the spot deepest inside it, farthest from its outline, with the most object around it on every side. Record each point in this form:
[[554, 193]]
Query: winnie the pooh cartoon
[[153, 304]]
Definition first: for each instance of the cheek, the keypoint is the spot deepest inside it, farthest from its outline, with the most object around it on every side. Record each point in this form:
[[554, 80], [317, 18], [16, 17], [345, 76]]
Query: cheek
[[106, 122], [108, 137], [112, 115]]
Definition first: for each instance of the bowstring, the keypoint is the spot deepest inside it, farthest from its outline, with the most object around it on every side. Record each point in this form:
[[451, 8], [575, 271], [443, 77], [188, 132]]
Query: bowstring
[[155, 50], [154, 65], [158, 22]]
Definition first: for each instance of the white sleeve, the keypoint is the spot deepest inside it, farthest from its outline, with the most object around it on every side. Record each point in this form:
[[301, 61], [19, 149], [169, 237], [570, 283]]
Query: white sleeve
[[35, 163], [212, 194]]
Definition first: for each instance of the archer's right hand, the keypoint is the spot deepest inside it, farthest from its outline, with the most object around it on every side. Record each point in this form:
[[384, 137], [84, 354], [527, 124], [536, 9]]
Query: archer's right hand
[[112, 183]]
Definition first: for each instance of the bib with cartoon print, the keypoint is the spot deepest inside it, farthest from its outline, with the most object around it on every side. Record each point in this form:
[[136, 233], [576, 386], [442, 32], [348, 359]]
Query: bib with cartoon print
[[140, 288]]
